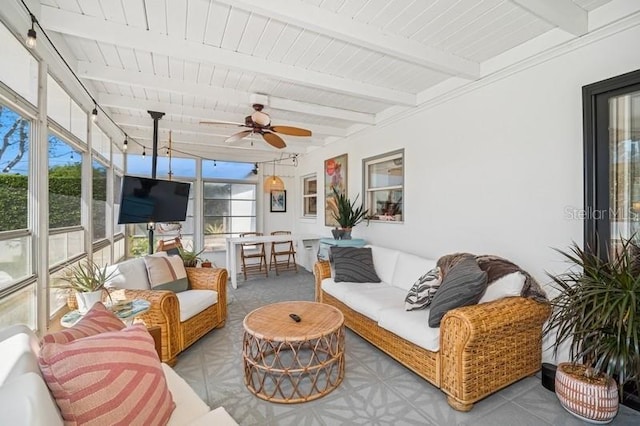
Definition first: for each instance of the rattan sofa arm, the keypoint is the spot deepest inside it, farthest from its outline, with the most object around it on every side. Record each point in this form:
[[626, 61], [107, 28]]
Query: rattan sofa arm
[[321, 270], [164, 313]]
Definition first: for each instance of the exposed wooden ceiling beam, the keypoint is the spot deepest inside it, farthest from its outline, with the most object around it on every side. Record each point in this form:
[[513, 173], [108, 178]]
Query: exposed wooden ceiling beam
[[351, 31], [109, 32], [126, 102], [564, 14], [92, 71]]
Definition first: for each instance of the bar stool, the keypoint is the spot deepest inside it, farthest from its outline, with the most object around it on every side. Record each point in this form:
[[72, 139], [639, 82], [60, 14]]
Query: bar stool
[[253, 251], [282, 248]]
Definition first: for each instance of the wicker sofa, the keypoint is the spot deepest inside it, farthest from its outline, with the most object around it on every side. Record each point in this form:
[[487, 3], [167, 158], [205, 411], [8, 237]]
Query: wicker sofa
[[476, 351], [182, 317]]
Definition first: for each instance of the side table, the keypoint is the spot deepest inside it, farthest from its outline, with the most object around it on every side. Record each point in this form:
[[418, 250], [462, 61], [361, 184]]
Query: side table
[[138, 306], [327, 243]]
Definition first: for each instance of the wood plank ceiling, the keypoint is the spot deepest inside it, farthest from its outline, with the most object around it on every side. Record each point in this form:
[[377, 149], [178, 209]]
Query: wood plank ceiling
[[332, 66]]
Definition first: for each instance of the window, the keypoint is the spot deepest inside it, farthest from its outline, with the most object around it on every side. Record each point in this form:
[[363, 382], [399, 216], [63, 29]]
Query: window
[[384, 186], [310, 196], [65, 111], [100, 142], [229, 209], [99, 200], [22, 73], [180, 167], [66, 234], [612, 162]]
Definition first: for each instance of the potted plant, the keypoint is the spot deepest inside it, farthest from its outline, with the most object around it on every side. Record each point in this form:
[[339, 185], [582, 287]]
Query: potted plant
[[88, 281], [597, 313], [346, 213], [190, 257]]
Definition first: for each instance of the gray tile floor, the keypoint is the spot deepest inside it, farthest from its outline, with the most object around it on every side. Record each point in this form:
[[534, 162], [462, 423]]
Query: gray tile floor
[[376, 389]]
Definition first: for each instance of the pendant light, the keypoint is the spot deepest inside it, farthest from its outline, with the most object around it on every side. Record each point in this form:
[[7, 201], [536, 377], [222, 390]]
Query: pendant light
[[273, 182]]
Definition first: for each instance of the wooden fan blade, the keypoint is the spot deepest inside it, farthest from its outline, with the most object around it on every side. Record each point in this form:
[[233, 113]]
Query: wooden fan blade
[[293, 131], [238, 136], [223, 123], [274, 140]]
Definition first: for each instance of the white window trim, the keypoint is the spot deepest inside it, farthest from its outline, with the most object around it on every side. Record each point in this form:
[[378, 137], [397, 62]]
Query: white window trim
[[304, 196], [366, 162]]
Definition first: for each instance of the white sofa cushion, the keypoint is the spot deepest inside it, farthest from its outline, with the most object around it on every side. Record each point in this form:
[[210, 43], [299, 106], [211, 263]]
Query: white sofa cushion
[[26, 401], [384, 260], [508, 286], [412, 326], [19, 352], [130, 274], [409, 268], [340, 290], [370, 301], [189, 406], [192, 302]]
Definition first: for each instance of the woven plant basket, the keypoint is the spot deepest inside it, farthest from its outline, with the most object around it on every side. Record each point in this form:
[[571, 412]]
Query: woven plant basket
[[592, 402]]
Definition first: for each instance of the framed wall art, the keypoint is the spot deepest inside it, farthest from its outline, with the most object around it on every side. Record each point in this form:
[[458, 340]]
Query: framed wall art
[[278, 201], [335, 176]]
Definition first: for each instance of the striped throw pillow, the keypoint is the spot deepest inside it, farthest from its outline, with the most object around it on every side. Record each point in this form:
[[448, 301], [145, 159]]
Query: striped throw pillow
[[108, 379], [354, 265], [423, 290], [98, 320], [166, 273]]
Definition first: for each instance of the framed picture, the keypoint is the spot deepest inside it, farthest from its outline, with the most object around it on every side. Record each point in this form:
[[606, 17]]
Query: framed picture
[[278, 201], [335, 176]]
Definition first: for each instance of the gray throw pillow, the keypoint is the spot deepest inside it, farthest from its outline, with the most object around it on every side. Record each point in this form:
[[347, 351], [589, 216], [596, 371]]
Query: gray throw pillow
[[354, 265], [423, 291], [463, 285]]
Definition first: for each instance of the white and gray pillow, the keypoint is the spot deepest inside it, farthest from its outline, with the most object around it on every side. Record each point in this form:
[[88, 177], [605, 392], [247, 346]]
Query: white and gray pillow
[[354, 265], [462, 285], [423, 290]]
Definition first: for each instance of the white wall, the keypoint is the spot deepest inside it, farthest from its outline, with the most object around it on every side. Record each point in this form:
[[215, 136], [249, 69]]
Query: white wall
[[493, 170]]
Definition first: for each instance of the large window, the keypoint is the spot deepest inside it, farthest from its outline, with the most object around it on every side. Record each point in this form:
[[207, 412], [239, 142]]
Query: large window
[[310, 196], [384, 186], [229, 209], [99, 202], [66, 234], [65, 111]]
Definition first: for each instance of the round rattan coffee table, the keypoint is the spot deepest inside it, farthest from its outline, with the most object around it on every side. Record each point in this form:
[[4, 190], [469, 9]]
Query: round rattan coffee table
[[287, 361]]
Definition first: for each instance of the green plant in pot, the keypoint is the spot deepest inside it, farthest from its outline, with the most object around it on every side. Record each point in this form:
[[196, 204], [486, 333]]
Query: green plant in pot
[[190, 258], [597, 313], [87, 279], [346, 213]]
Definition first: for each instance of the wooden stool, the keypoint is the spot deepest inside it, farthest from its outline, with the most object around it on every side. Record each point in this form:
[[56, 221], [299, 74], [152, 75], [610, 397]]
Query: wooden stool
[[247, 252]]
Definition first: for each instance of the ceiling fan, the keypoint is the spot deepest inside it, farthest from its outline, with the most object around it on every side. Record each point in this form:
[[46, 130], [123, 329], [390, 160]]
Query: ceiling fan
[[260, 123]]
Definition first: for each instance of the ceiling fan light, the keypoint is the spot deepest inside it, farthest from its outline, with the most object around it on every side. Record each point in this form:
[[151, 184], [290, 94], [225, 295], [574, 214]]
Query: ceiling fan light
[[261, 118]]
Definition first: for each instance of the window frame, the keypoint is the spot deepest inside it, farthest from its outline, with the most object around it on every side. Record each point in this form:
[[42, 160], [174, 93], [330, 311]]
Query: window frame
[[366, 190], [306, 196]]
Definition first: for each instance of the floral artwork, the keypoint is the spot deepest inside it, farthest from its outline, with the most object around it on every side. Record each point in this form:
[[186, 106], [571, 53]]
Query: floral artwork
[[335, 176]]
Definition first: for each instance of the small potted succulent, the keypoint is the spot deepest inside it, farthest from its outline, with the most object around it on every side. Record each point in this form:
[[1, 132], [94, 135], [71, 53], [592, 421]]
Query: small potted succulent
[[87, 279], [190, 257], [346, 214]]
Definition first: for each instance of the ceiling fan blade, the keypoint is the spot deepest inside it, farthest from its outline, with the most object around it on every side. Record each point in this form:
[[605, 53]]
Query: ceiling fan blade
[[238, 136], [222, 123], [274, 140], [293, 131]]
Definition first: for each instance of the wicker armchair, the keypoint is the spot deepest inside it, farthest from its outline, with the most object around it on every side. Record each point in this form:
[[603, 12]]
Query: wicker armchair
[[165, 311]]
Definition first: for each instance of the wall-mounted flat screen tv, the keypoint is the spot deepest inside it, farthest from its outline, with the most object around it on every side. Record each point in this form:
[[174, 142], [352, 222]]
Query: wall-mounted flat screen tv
[[147, 200]]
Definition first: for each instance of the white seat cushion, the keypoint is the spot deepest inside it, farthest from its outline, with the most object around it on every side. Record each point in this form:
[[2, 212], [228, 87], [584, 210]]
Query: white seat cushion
[[370, 301], [508, 286], [384, 261], [412, 326], [189, 406], [340, 290], [192, 302], [27, 401], [130, 274], [19, 350], [409, 268]]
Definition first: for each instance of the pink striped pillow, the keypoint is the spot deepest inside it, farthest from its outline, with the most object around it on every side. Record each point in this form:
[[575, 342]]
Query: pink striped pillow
[[98, 320], [110, 378]]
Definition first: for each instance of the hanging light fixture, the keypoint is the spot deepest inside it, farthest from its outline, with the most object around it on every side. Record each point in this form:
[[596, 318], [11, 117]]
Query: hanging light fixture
[[31, 34], [273, 182], [125, 145], [144, 152], [94, 113]]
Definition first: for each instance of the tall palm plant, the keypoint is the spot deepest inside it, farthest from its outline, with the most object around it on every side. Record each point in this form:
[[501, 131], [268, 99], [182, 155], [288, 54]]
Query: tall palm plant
[[346, 213], [597, 311]]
